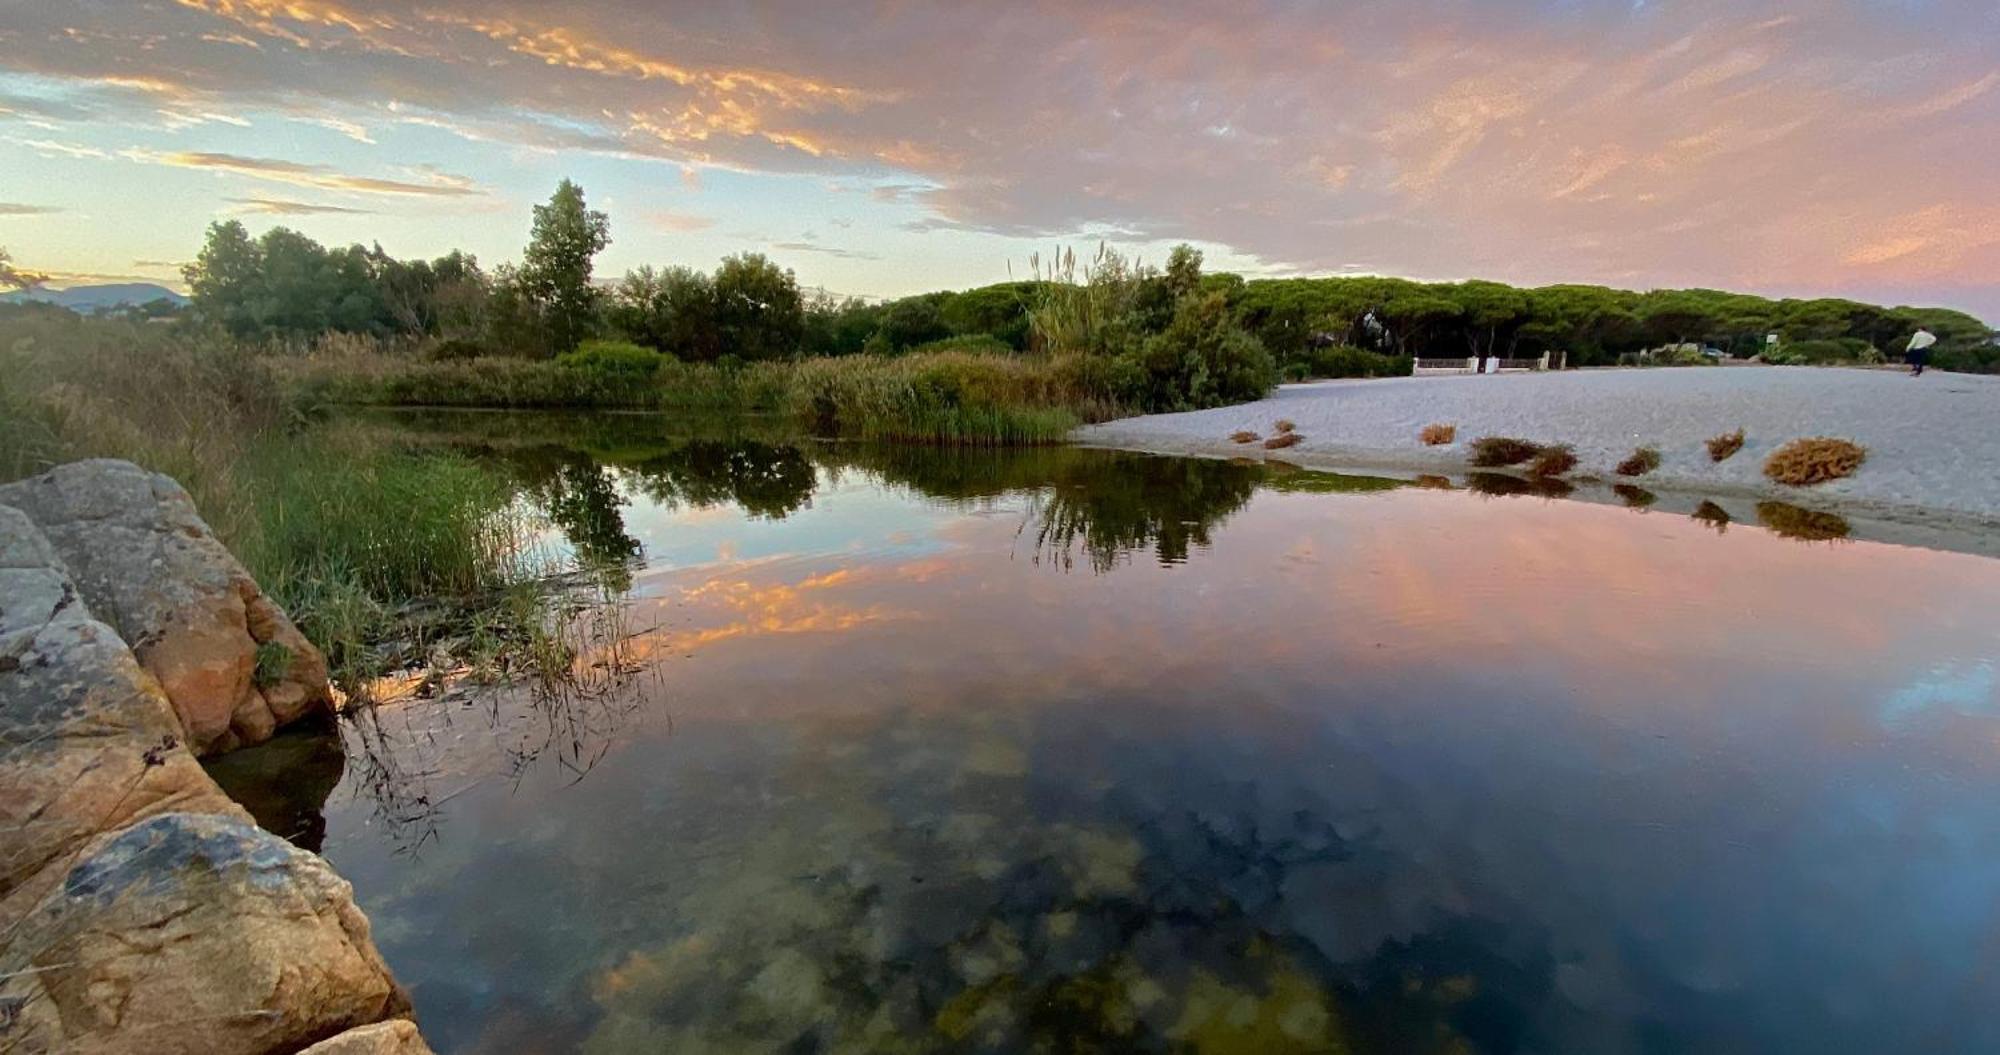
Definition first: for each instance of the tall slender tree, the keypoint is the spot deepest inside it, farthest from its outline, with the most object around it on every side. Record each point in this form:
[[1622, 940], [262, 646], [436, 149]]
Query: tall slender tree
[[555, 272]]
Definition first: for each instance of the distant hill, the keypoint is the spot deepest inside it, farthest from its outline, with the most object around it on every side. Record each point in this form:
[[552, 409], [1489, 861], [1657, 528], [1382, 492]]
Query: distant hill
[[92, 299]]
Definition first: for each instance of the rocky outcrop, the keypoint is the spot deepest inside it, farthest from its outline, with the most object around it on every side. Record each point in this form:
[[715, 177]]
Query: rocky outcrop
[[140, 909], [230, 661]]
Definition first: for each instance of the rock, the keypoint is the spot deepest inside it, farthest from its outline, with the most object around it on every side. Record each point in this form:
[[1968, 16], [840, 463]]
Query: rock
[[140, 909], [148, 566], [88, 743], [193, 934], [397, 1036]]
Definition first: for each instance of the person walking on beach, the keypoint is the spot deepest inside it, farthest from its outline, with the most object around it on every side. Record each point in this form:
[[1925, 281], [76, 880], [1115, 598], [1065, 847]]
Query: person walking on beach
[[1919, 351]]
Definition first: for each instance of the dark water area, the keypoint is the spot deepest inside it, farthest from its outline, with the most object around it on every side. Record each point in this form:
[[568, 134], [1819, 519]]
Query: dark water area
[[1071, 750]]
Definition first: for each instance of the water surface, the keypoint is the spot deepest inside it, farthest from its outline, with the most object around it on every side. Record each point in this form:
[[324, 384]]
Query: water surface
[[1080, 751]]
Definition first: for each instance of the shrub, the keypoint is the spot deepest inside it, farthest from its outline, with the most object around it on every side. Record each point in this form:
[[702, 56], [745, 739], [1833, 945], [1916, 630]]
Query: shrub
[[1802, 463], [1789, 521], [455, 349], [1713, 515], [1720, 448], [619, 358], [1244, 436], [1282, 440], [1824, 352], [1347, 361], [1553, 460], [1640, 462], [971, 343], [1490, 451], [1438, 435], [1284, 425]]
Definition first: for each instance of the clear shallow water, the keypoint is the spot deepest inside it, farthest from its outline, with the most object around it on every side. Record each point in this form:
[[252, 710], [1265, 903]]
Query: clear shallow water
[[1079, 751]]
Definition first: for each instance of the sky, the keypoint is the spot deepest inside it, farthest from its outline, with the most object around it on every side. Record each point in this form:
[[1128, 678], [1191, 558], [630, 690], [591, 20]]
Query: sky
[[1803, 147]]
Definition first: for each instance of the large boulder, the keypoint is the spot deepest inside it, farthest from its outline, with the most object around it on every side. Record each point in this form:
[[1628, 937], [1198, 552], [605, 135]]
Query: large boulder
[[140, 909], [192, 934], [88, 743], [145, 563]]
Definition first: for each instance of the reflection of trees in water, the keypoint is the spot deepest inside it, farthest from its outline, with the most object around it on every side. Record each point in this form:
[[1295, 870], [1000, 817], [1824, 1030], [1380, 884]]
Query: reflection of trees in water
[[864, 916], [1168, 504], [581, 500], [765, 480]]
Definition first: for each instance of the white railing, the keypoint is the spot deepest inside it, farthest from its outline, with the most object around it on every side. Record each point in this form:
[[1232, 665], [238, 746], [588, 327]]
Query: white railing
[[1428, 367], [1475, 365]]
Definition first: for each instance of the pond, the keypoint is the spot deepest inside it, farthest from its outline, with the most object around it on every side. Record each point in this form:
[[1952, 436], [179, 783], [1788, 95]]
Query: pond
[[1071, 750]]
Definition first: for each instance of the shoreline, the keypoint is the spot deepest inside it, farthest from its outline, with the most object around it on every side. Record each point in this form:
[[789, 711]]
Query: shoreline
[[1932, 479]]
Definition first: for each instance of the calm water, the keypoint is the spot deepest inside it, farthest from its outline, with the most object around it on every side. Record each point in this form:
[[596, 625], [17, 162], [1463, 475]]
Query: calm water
[[1078, 751]]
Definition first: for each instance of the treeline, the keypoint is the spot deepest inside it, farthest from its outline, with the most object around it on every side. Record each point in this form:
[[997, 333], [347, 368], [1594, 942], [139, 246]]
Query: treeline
[[1161, 337]]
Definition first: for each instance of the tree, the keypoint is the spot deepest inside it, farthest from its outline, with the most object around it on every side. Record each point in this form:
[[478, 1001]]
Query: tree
[[555, 271], [12, 277], [759, 313], [227, 277], [672, 311]]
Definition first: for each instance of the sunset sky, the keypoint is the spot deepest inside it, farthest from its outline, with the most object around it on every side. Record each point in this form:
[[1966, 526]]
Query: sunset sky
[[1805, 147]]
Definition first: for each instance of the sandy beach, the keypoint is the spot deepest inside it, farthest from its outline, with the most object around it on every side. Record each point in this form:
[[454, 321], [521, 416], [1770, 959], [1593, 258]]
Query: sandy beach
[[1933, 442]]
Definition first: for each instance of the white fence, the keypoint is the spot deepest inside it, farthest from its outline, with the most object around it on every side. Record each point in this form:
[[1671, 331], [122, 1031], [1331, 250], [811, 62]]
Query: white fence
[[1476, 365]]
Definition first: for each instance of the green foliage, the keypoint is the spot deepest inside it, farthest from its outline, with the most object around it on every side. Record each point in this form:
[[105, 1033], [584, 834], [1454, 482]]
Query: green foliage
[[1823, 352], [671, 311], [759, 313], [555, 270], [1348, 361], [620, 358], [1150, 340]]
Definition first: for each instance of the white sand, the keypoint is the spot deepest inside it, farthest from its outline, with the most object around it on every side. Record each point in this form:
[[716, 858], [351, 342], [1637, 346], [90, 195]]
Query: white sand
[[1933, 442]]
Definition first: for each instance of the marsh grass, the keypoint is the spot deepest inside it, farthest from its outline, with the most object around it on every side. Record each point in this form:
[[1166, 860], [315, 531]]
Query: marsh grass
[[1244, 436], [350, 535], [949, 397], [1283, 440]]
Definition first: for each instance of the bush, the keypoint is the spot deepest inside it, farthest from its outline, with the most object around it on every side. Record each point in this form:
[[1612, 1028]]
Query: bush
[[1721, 448], [1244, 436], [455, 350], [1342, 360], [1824, 352], [1283, 440], [1438, 435], [969, 344], [1802, 463], [620, 358], [1640, 462], [1553, 460], [1284, 425], [1491, 451]]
